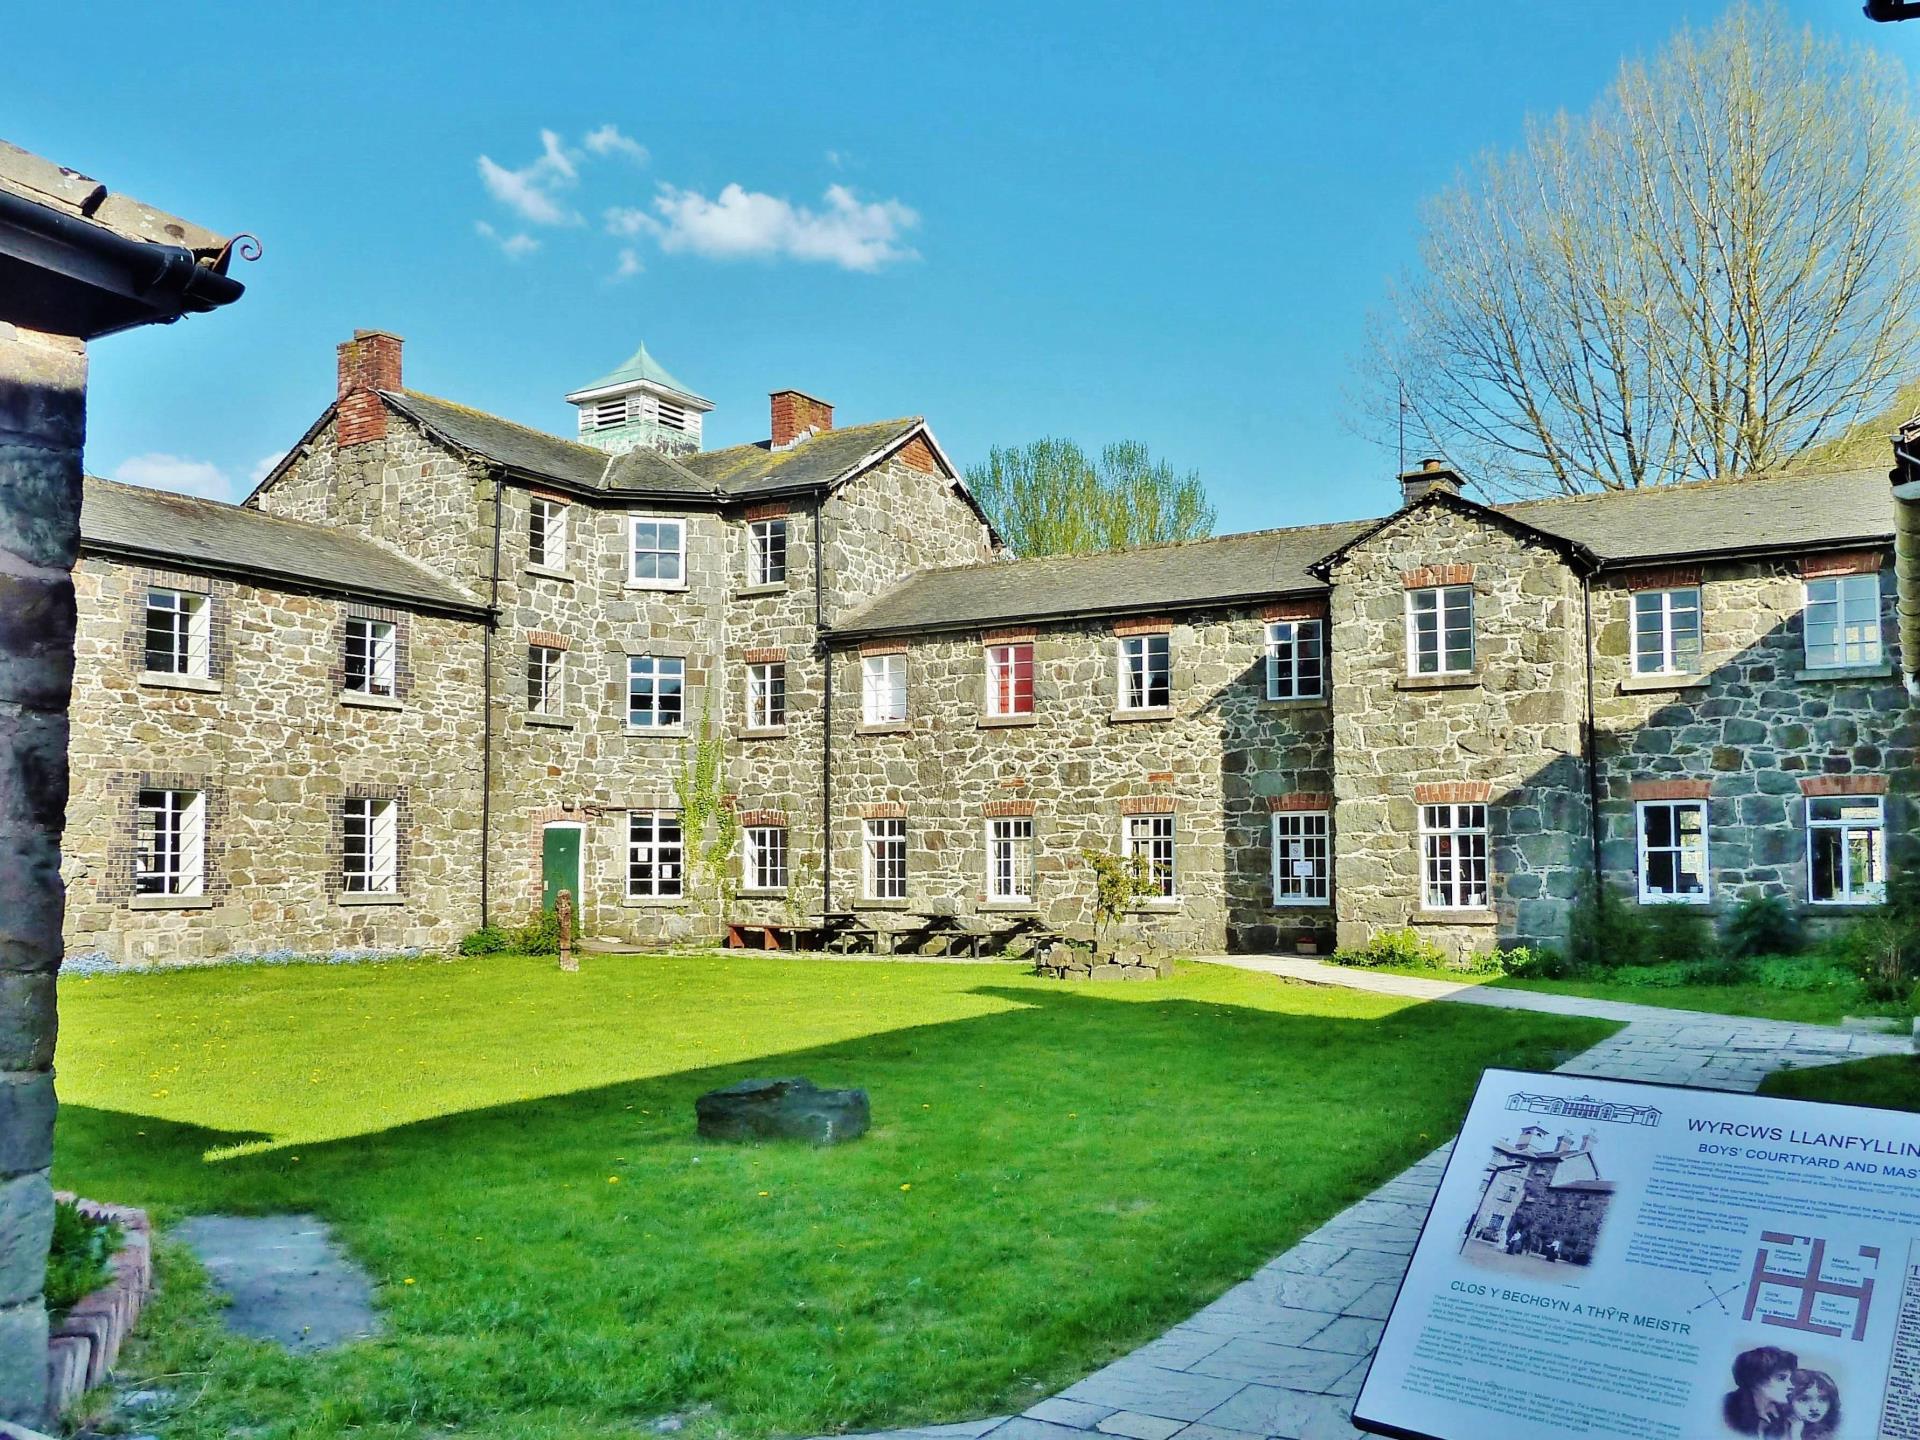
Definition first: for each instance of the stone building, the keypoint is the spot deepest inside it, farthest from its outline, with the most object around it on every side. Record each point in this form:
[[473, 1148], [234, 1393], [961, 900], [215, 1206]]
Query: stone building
[[450, 665], [1542, 1198]]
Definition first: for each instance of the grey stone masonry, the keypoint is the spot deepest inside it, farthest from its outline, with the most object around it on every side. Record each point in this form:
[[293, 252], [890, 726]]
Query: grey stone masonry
[[43, 384]]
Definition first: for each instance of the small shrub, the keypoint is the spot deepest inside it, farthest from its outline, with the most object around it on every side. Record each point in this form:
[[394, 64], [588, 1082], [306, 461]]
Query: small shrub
[[1881, 951], [1604, 931], [77, 1261], [1715, 970], [1402, 948], [487, 940], [1119, 882], [1678, 935], [1535, 962], [1761, 925], [539, 936]]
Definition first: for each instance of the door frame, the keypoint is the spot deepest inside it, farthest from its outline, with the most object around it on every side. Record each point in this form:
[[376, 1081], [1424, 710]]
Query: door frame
[[579, 870]]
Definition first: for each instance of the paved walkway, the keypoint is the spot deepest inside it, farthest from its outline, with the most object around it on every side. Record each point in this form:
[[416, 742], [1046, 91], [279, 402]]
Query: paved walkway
[[1283, 1353]]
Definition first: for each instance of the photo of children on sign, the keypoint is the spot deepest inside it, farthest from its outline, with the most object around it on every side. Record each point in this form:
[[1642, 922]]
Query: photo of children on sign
[[1542, 1204], [1774, 1397]]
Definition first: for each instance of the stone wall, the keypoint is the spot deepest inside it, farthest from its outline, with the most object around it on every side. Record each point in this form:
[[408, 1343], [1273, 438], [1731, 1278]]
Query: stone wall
[[43, 390], [1752, 726], [276, 746], [1509, 733], [1214, 761]]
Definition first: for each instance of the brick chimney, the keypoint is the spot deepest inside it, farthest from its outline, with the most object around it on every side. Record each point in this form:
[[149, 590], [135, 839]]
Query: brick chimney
[[1433, 474], [797, 415], [368, 362]]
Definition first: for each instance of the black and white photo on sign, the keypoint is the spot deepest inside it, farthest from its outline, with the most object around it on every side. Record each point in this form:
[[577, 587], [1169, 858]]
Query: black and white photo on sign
[[1542, 1202]]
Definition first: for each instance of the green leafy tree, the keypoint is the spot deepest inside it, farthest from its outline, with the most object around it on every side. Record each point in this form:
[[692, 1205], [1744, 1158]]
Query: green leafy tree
[[709, 825], [1049, 498], [1119, 883]]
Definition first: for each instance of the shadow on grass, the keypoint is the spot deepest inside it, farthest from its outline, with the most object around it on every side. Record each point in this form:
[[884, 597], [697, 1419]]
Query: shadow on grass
[[1043, 1188]]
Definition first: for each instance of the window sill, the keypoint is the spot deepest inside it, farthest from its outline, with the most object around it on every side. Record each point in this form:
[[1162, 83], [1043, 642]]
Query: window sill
[[371, 702], [1165, 905], [675, 586], [369, 898], [654, 902], [547, 572], [748, 892], [1297, 702], [1698, 902], [1131, 717], [549, 722], [767, 732], [1454, 917], [655, 732], [1845, 672], [1649, 684], [754, 592], [1028, 906], [881, 904], [1007, 722], [1452, 680], [890, 727], [1320, 905], [165, 680], [1845, 907], [170, 902]]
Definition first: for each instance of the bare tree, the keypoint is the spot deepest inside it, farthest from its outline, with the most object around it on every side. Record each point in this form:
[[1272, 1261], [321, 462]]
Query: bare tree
[[1713, 270]]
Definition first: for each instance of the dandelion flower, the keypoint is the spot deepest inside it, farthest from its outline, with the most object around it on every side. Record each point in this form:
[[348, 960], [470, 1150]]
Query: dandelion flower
[[407, 1281], [765, 1193], [613, 1179], [907, 1186]]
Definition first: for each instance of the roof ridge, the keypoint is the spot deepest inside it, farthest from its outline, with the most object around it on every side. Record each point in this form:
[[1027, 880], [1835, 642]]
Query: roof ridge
[[1716, 482], [409, 394], [1154, 546]]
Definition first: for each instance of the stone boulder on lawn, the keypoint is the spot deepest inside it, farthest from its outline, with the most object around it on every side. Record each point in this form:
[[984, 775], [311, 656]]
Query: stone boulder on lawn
[[790, 1109]]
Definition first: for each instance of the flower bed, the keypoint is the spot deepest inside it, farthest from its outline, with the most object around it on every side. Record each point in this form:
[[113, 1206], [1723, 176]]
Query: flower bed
[[86, 1340]]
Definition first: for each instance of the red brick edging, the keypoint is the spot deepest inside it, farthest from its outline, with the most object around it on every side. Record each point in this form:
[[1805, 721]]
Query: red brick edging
[[86, 1342]]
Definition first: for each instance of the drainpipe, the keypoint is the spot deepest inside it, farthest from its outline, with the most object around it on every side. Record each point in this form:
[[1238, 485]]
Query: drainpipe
[[1906, 548], [486, 701], [826, 717], [1593, 730]]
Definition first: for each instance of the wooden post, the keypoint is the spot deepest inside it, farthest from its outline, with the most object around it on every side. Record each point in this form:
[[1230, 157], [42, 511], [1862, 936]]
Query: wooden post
[[563, 908]]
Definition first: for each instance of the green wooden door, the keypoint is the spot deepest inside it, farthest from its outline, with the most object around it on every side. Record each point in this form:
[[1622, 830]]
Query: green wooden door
[[560, 865]]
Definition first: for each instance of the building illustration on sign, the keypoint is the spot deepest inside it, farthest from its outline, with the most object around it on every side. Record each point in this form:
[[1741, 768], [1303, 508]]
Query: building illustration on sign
[[1584, 1107]]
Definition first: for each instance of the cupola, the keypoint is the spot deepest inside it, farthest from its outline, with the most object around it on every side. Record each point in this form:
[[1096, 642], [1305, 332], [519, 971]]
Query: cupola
[[640, 407]]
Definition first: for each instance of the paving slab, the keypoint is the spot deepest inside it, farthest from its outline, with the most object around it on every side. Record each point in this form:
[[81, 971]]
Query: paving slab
[[286, 1279]]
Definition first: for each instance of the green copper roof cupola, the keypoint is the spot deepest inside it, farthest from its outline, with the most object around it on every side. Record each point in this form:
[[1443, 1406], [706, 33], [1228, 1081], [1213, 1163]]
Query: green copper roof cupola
[[640, 407]]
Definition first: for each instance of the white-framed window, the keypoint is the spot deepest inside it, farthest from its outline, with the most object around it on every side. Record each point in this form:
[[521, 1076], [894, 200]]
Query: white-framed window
[[1302, 857], [1453, 857], [767, 552], [1146, 671], [1846, 849], [766, 857], [767, 695], [883, 859], [178, 639], [656, 692], [1440, 630], [1010, 679], [883, 688], [371, 661], [1666, 631], [1673, 851], [654, 855], [169, 853], [547, 533], [370, 847], [657, 555], [1149, 839], [545, 669], [1010, 858], [1843, 621], [1296, 660]]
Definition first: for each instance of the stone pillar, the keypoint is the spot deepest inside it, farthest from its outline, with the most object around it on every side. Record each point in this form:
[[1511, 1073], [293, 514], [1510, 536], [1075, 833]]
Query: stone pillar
[[43, 384]]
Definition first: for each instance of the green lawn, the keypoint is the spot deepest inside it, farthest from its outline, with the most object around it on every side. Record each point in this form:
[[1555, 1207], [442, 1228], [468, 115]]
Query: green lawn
[[1054, 1175], [1806, 989], [1891, 1082]]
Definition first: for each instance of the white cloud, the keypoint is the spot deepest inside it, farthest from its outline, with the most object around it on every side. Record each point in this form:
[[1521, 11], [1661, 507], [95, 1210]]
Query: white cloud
[[263, 467], [532, 191], [608, 140], [516, 246], [627, 222], [630, 264], [175, 472], [740, 224]]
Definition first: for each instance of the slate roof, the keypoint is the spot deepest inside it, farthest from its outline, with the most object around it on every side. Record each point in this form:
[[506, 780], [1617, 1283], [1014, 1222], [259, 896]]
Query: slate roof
[[1153, 578], [191, 533], [759, 469], [1743, 516], [518, 447]]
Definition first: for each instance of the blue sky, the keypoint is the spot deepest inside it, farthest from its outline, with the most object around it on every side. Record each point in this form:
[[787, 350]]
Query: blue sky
[[1154, 222]]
